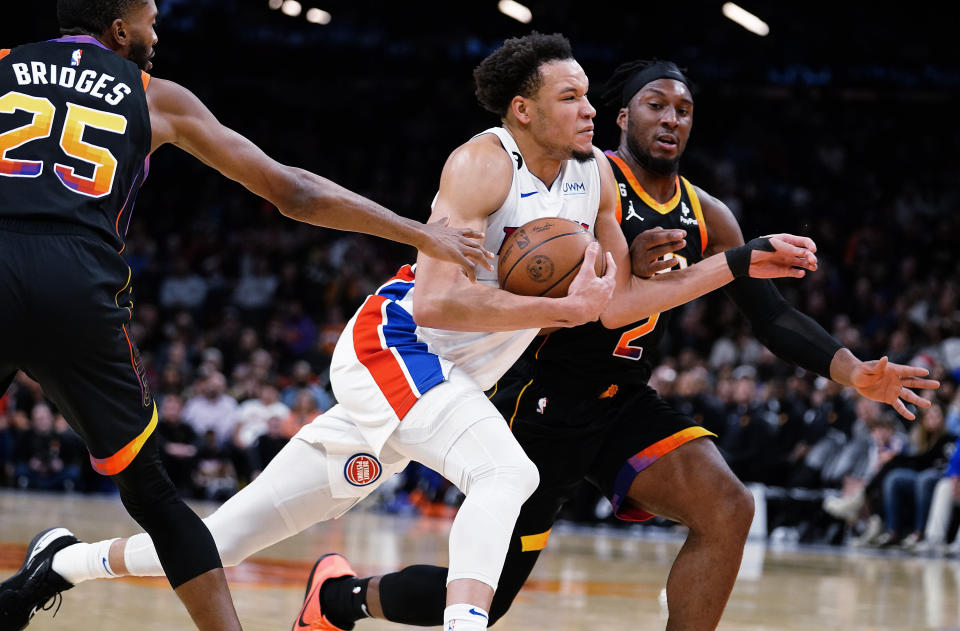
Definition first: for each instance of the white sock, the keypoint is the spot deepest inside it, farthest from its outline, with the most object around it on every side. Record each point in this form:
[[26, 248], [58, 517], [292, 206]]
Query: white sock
[[464, 617], [84, 561]]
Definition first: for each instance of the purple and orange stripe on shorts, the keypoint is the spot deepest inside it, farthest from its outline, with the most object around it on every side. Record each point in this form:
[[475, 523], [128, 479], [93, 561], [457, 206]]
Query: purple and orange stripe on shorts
[[638, 462]]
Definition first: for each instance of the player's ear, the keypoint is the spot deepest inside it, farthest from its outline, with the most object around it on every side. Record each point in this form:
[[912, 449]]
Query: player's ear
[[520, 108], [117, 31], [622, 116]]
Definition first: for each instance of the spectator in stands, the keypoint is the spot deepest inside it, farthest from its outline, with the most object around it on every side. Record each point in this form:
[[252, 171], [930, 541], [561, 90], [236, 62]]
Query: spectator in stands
[[946, 497], [212, 408], [268, 444], [861, 458], [48, 460], [251, 423], [182, 289], [747, 431], [303, 411], [178, 443], [253, 293], [907, 482], [214, 477], [303, 378]]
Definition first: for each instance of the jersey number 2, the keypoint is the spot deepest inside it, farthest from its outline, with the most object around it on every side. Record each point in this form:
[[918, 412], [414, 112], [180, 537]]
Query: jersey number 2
[[78, 118], [625, 347]]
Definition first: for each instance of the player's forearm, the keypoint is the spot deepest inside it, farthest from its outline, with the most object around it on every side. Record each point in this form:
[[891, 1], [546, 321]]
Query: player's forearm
[[470, 306], [642, 297], [315, 200], [789, 334]]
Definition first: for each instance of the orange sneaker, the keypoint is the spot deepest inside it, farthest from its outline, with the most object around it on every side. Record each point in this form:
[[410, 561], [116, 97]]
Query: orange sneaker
[[328, 566]]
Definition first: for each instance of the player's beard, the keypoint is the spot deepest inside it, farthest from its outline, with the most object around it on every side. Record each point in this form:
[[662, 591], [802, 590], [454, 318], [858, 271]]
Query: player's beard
[[139, 54], [581, 156], [658, 166]]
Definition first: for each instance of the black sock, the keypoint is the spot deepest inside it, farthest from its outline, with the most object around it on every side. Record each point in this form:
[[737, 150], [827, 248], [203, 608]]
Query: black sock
[[415, 595], [342, 600]]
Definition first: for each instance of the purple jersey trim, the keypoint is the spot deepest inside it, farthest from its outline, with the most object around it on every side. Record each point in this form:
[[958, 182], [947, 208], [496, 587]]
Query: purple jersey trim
[[80, 39]]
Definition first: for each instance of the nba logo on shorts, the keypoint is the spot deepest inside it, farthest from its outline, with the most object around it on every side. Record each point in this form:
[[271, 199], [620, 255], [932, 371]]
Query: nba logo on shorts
[[75, 57], [362, 469]]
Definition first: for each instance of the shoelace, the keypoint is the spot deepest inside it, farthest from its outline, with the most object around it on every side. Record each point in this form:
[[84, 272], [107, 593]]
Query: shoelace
[[56, 599], [47, 606]]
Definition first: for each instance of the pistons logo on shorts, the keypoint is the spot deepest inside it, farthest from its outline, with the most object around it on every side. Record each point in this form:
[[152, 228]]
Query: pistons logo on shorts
[[362, 469]]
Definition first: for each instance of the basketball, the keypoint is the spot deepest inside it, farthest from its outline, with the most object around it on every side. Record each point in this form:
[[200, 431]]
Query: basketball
[[543, 256]]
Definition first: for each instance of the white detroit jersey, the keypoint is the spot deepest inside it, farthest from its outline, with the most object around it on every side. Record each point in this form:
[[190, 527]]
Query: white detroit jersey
[[574, 195], [383, 362]]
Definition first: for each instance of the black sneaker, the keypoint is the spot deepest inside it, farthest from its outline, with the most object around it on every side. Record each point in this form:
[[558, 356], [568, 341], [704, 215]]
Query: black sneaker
[[35, 584]]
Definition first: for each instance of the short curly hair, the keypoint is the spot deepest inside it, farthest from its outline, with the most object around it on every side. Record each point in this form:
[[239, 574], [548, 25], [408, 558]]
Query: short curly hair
[[91, 17], [514, 69]]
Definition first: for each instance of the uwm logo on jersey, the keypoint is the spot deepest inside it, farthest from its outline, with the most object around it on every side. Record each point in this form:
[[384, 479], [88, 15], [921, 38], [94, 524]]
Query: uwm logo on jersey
[[574, 188]]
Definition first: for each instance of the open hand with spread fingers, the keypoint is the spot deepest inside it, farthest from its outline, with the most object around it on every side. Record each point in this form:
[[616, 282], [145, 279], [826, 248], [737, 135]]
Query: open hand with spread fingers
[[884, 381]]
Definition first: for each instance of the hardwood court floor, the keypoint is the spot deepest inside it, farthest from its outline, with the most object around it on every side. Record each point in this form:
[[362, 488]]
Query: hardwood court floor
[[593, 580]]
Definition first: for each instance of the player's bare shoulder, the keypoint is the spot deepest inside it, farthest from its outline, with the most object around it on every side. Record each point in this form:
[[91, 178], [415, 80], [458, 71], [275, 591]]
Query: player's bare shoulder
[[711, 205], [722, 226], [479, 173], [170, 103]]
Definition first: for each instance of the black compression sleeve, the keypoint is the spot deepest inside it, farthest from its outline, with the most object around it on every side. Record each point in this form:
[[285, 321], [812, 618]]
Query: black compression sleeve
[[789, 334]]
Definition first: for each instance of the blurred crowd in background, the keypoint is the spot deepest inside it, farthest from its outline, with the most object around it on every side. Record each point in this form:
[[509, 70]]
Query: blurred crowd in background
[[237, 309]]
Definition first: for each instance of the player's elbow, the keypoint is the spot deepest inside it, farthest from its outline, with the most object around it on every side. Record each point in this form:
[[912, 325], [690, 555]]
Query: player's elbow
[[611, 321], [289, 192], [616, 315]]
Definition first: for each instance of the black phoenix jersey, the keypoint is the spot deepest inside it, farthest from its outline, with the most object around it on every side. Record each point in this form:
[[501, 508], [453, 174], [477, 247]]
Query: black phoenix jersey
[[74, 135], [595, 354]]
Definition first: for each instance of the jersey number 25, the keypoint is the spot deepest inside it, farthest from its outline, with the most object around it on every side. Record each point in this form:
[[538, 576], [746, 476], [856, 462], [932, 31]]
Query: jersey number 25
[[71, 141]]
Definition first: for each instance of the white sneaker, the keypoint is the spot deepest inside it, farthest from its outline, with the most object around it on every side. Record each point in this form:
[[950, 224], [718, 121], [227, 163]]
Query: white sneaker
[[871, 533], [846, 508], [913, 543]]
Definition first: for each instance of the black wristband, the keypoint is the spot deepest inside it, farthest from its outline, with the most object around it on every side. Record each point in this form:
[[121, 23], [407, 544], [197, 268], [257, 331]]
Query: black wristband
[[738, 259]]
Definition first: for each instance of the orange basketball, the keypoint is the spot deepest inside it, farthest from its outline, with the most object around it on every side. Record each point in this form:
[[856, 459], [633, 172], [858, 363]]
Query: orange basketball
[[542, 257]]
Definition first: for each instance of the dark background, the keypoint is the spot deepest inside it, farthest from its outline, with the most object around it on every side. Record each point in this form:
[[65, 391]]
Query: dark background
[[377, 98]]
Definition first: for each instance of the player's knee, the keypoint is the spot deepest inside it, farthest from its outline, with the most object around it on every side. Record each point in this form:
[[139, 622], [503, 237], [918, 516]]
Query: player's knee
[[230, 557], [732, 509], [513, 476], [229, 548], [521, 476], [530, 478]]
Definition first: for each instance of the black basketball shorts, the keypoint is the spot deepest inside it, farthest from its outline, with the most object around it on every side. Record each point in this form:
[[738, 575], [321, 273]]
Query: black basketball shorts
[[604, 434], [65, 305]]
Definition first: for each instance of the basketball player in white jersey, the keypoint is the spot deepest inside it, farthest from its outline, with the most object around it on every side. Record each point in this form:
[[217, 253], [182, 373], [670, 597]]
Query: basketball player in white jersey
[[411, 366]]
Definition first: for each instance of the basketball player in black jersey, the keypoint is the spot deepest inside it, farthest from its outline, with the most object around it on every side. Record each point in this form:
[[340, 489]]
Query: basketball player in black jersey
[[579, 403], [79, 118]]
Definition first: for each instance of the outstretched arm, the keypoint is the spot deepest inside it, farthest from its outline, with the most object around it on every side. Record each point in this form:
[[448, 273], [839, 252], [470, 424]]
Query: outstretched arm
[[178, 117], [797, 338]]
